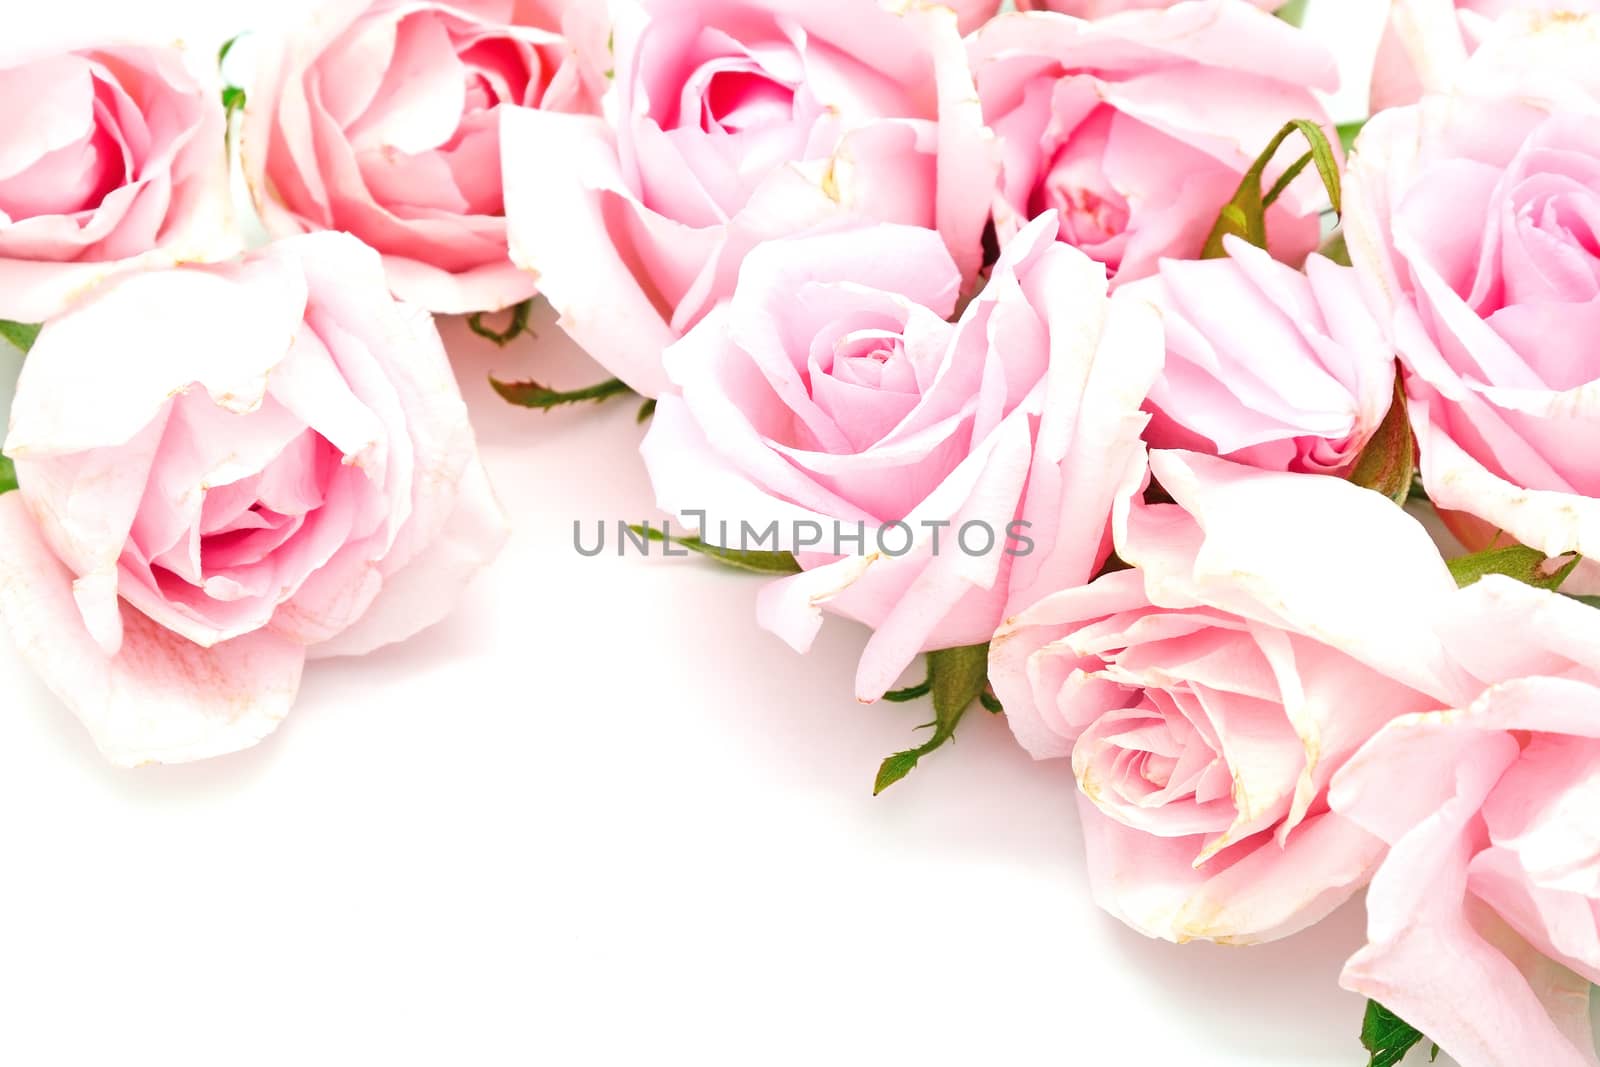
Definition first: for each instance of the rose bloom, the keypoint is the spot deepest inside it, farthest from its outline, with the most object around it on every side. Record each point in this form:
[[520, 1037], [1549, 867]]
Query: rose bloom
[[731, 123], [1138, 129], [1484, 919], [1275, 622], [283, 468], [1425, 42], [1495, 322], [1266, 365], [1094, 9], [832, 389], [382, 118], [111, 158]]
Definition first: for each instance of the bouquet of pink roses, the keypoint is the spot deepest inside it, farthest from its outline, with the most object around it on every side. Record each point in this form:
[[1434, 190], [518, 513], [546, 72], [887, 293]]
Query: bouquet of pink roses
[[1244, 462]]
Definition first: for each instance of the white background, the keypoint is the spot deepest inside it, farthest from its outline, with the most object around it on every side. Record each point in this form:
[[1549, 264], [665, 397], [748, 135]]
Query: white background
[[595, 818]]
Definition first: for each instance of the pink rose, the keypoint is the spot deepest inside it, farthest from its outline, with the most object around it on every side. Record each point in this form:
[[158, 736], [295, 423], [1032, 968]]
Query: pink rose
[[1139, 129], [1493, 321], [1274, 623], [1484, 920], [832, 390], [1095, 9], [224, 470], [111, 158], [1265, 365], [734, 122], [382, 118], [1426, 42]]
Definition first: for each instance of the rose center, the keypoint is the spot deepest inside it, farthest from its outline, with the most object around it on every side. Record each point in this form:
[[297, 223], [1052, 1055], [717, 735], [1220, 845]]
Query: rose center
[[873, 359], [1093, 212], [78, 175], [1157, 769], [496, 73], [739, 100]]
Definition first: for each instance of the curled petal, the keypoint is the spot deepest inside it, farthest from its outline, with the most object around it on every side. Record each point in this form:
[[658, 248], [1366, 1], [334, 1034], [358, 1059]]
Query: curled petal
[[160, 698]]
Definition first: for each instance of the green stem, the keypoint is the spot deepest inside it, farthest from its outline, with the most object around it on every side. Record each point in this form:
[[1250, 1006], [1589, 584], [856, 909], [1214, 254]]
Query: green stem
[[531, 394], [516, 328]]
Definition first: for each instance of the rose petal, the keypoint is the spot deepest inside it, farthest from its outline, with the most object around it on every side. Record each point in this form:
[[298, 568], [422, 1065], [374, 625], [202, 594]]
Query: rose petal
[[160, 698], [423, 592]]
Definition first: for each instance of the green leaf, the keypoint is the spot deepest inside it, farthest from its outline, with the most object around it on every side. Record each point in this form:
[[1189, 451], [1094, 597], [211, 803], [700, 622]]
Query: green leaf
[[533, 395], [1245, 215], [1336, 249], [910, 692], [646, 410], [1592, 601], [991, 703], [233, 96], [20, 334], [514, 329], [1348, 132], [1388, 464], [757, 562], [1293, 12], [956, 677], [1526, 565], [1286, 179], [1386, 1036]]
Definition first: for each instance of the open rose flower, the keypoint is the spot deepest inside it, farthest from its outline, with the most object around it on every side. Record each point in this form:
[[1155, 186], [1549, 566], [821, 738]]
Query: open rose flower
[[1496, 321], [382, 118], [831, 390], [111, 158], [1138, 129], [734, 122], [1266, 365], [1426, 42], [1095, 9], [1484, 920], [224, 470], [1275, 623]]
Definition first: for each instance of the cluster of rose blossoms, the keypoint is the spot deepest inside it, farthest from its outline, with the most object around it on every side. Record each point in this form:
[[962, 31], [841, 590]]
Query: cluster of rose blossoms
[[1099, 267]]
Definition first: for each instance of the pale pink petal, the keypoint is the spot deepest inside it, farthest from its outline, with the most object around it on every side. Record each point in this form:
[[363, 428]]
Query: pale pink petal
[[491, 287], [1552, 522], [423, 592], [1473, 997], [1089, 448], [1029, 659], [1252, 564], [160, 698], [555, 215], [1154, 885], [256, 306]]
